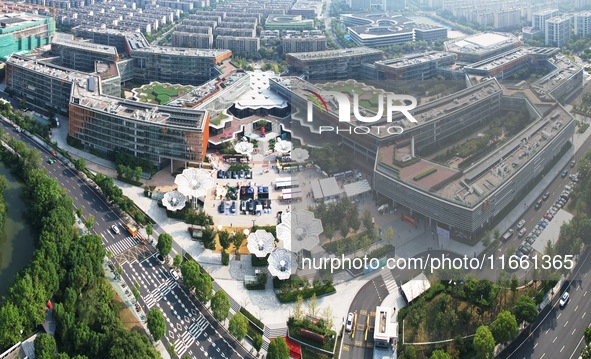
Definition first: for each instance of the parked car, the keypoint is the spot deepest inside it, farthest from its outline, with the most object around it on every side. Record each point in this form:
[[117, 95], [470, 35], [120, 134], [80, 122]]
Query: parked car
[[349, 325], [522, 232], [564, 173], [243, 206], [530, 239], [521, 224], [233, 207], [572, 163], [160, 258], [222, 207], [220, 174]]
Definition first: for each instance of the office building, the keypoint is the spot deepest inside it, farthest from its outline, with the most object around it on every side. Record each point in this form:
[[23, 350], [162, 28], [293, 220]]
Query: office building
[[81, 55], [21, 33], [162, 135], [478, 47], [417, 67], [557, 31], [304, 44], [332, 64], [539, 18]]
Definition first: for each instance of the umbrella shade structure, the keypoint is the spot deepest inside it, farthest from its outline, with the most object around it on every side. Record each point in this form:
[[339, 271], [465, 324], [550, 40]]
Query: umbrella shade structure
[[299, 230], [282, 146], [299, 154], [280, 264], [244, 148], [194, 182], [260, 243], [174, 200]]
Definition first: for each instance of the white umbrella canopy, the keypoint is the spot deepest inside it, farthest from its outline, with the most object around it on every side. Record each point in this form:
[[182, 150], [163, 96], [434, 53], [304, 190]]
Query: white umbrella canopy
[[174, 200], [244, 148], [194, 182], [299, 230], [281, 264], [299, 155], [283, 146], [260, 243]]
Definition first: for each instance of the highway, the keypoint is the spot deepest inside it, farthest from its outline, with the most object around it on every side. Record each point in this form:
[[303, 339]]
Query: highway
[[190, 327], [558, 332]]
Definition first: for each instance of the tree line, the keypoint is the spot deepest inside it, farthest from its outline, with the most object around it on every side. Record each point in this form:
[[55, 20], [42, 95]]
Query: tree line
[[66, 269]]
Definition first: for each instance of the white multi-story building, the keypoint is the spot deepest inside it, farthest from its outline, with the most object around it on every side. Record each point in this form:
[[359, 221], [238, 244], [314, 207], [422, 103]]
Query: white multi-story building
[[583, 23], [539, 18], [557, 31]]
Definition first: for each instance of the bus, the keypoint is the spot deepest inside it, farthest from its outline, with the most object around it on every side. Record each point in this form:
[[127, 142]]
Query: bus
[[285, 183]]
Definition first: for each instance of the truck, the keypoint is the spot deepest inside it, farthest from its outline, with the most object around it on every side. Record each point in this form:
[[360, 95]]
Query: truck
[[507, 235], [132, 229]]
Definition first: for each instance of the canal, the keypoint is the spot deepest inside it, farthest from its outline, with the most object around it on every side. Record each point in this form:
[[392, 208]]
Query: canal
[[17, 243]]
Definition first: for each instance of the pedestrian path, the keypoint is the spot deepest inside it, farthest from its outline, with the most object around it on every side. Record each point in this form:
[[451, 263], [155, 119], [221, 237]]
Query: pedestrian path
[[122, 245]]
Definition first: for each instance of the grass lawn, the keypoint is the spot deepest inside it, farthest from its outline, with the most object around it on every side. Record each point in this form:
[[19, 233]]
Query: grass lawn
[[161, 94], [126, 315], [218, 119]]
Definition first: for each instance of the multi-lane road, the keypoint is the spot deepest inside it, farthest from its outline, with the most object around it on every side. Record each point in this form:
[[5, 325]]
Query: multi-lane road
[[190, 327], [558, 332]]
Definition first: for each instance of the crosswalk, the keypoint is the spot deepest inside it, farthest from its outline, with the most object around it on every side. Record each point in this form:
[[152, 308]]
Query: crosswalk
[[122, 245], [190, 335], [161, 291], [389, 280]]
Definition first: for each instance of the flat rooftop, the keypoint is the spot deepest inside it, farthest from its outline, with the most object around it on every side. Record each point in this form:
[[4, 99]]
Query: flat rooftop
[[544, 12], [512, 55], [564, 70], [87, 95], [48, 69], [182, 51], [328, 54], [69, 41], [413, 59], [12, 20], [482, 43], [482, 178], [559, 19]]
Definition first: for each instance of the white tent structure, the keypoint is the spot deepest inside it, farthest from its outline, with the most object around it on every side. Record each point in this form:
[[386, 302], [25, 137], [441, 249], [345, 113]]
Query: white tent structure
[[174, 200], [194, 182], [280, 264], [260, 243], [299, 230], [282, 146], [244, 148], [357, 188], [299, 154]]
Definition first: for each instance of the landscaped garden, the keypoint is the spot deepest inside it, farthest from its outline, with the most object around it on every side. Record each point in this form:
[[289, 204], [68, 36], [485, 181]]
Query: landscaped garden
[[160, 93]]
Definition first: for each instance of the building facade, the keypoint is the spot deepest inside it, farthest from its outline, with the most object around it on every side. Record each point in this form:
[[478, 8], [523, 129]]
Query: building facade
[[23, 32], [304, 44], [557, 31], [582, 23], [239, 45]]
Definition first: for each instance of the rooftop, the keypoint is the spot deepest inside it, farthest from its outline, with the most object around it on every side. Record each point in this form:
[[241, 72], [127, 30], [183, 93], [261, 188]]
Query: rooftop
[[352, 52], [564, 69], [47, 68], [413, 59], [544, 12], [482, 43], [512, 55], [559, 19], [69, 40], [213, 53], [11, 20], [85, 94]]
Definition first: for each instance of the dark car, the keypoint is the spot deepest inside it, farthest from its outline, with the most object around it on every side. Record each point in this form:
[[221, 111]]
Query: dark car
[[243, 206], [222, 207], [227, 174], [233, 207], [234, 174], [564, 173], [546, 195], [279, 217], [241, 174], [250, 205], [220, 174], [248, 174]]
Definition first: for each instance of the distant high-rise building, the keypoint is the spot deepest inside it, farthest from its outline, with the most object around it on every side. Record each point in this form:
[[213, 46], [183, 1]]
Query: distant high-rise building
[[557, 31], [539, 18], [583, 23], [378, 5]]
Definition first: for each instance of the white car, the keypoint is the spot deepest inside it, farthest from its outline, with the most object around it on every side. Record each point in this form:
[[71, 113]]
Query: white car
[[521, 224], [564, 299], [349, 325], [174, 274], [115, 229], [522, 232]]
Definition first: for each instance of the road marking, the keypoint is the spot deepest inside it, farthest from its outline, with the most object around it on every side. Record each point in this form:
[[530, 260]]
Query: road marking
[[577, 307], [558, 316], [584, 294], [565, 324], [542, 355], [547, 331], [561, 349], [536, 345], [574, 330], [554, 340]]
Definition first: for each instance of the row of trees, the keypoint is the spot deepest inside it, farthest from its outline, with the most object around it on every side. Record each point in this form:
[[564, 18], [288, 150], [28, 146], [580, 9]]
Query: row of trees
[[68, 269], [3, 210], [129, 173], [342, 215]]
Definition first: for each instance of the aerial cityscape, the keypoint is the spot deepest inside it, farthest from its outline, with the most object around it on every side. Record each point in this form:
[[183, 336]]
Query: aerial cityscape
[[306, 179]]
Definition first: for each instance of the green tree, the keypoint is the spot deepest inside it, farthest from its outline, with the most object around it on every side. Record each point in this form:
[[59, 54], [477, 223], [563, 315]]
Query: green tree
[[138, 173], [587, 335], [204, 288], [164, 244], [525, 309], [149, 230], [496, 234], [484, 342], [440, 354], [80, 164], [257, 342], [298, 312], [238, 326], [10, 325], [89, 222], [156, 323], [278, 349], [220, 305], [504, 328], [312, 305], [191, 273], [237, 241], [389, 235], [225, 240], [177, 260], [45, 346]]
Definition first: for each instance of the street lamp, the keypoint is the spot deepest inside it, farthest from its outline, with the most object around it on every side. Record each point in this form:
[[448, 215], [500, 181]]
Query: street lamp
[[219, 227], [246, 232]]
